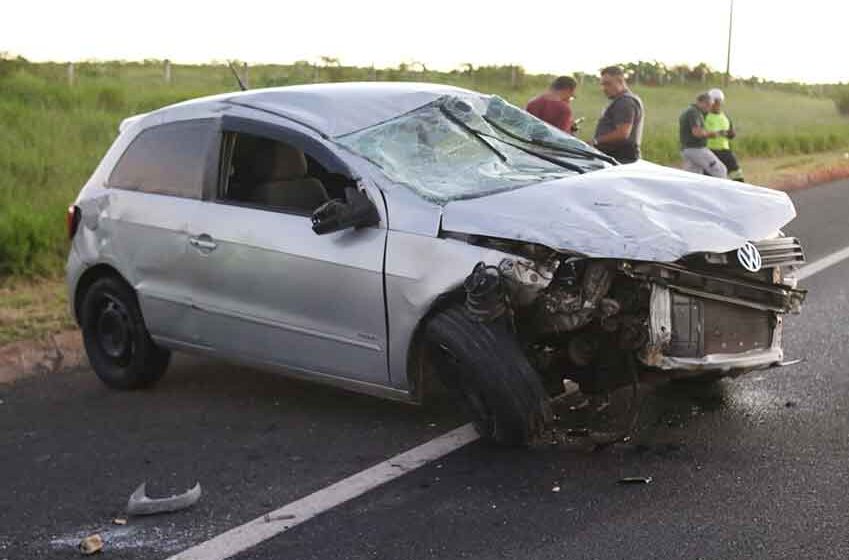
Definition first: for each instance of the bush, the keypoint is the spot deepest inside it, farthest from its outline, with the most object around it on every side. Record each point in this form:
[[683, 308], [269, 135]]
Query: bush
[[28, 242]]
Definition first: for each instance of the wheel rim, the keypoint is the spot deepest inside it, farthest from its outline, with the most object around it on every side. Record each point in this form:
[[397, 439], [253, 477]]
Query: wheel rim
[[114, 329], [451, 367]]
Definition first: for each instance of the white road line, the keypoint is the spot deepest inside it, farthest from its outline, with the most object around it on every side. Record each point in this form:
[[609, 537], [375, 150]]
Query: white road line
[[823, 263], [275, 522]]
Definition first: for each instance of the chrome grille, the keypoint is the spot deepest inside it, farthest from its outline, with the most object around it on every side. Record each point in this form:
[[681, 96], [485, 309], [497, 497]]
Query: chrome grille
[[781, 251]]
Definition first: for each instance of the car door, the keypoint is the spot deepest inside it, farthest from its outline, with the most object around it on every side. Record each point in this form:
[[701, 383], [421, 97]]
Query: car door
[[153, 189], [270, 290]]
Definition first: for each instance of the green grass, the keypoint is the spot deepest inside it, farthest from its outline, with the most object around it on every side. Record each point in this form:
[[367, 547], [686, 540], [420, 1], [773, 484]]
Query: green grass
[[53, 135], [33, 309]]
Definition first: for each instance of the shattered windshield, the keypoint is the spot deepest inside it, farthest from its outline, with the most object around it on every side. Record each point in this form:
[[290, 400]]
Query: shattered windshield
[[493, 115], [448, 150]]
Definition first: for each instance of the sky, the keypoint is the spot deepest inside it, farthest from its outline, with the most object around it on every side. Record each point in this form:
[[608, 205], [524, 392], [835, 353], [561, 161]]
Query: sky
[[774, 39]]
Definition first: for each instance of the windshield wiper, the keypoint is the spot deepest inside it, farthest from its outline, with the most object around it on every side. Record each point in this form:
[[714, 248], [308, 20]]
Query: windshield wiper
[[482, 136], [556, 147], [473, 132], [550, 159]]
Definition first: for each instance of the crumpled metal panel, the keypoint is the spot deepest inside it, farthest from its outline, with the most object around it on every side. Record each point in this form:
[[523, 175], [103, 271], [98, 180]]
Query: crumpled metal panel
[[640, 211]]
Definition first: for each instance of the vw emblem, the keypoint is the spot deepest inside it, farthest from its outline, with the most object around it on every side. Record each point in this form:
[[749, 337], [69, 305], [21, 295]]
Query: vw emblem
[[749, 257]]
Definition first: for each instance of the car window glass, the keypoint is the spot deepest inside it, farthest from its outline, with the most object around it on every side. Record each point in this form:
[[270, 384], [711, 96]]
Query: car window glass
[[443, 160], [276, 175], [168, 159]]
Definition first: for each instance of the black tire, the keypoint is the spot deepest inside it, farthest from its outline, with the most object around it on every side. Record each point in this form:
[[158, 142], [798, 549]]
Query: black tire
[[116, 340], [482, 365]]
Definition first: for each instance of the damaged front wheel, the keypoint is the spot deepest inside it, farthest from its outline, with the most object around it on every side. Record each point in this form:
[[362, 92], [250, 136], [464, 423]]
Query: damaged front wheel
[[482, 364]]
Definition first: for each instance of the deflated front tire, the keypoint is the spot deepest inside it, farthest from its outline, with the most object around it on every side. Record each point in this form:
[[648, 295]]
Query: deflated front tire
[[482, 365]]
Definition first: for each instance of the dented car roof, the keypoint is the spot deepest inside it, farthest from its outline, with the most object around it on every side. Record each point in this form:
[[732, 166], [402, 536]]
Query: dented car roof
[[335, 109]]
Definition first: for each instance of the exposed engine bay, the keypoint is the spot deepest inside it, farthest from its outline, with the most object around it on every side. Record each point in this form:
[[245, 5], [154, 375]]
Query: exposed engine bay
[[601, 322]]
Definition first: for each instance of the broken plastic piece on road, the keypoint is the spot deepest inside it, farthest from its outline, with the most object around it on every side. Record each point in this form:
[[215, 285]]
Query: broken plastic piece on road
[[788, 363], [556, 489], [91, 544], [140, 504], [635, 480], [119, 521], [570, 387]]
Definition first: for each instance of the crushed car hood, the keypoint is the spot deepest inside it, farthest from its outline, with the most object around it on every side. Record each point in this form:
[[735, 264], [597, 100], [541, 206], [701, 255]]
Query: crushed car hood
[[639, 211]]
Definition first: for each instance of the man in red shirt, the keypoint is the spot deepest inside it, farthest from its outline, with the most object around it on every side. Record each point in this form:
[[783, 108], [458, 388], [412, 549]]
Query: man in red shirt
[[555, 105]]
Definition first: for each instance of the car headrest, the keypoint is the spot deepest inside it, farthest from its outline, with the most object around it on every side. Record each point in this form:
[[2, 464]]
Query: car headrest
[[280, 162]]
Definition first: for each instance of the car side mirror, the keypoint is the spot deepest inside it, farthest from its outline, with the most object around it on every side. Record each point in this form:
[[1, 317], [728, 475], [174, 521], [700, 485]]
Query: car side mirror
[[357, 211]]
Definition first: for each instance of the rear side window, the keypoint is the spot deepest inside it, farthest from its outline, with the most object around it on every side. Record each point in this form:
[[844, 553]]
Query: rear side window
[[173, 159]]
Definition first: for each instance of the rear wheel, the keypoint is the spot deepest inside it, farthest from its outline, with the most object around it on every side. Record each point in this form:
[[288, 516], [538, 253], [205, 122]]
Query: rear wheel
[[116, 340], [482, 365]]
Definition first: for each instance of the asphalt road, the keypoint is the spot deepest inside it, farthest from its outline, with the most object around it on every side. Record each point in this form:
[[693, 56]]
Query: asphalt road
[[753, 468]]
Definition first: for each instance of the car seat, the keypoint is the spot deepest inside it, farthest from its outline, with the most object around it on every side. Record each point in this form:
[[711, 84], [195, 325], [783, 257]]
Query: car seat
[[283, 179]]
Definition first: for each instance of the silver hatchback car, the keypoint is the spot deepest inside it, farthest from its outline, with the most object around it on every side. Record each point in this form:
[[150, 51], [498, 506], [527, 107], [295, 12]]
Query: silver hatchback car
[[379, 236]]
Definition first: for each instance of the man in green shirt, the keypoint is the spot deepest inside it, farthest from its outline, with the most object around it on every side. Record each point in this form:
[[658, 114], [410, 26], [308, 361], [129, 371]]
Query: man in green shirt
[[717, 121], [694, 138]]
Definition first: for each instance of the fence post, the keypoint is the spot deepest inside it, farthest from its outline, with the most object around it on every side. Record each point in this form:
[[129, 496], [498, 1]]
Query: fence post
[[70, 73], [167, 71]]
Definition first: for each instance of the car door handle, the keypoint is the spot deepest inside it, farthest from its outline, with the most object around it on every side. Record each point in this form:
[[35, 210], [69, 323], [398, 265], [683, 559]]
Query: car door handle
[[203, 242]]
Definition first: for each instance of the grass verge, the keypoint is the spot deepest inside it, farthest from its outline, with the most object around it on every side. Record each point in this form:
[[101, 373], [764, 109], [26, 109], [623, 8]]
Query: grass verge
[[33, 309]]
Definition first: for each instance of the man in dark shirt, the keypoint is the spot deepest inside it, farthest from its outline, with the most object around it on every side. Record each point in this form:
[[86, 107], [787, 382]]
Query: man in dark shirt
[[555, 105], [620, 130], [694, 136]]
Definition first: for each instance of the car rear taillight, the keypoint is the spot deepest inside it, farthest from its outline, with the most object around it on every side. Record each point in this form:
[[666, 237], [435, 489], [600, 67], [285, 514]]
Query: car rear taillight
[[73, 218]]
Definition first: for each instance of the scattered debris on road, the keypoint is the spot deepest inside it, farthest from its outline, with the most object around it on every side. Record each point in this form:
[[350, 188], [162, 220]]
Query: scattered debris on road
[[556, 489], [119, 521], [140, 504], [578, 432], [635, 480], [790, 404], [92, 544]]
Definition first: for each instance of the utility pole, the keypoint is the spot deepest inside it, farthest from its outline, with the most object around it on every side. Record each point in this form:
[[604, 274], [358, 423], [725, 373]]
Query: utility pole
[[728, 53]]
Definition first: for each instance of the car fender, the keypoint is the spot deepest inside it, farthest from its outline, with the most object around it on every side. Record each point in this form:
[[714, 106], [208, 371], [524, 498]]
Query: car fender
[[419, 270]]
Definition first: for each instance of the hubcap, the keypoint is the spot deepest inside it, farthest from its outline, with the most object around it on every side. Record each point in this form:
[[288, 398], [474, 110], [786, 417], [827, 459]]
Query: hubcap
[[114, 334]]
